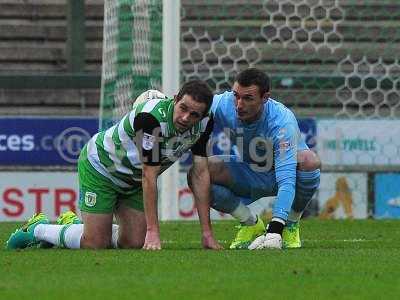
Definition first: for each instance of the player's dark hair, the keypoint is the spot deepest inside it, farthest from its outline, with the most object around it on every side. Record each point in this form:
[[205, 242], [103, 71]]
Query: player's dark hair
[[199, 91], [254, 76]]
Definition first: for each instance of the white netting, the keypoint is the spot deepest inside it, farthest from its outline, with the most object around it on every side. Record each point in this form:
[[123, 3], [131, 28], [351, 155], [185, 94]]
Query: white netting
[[370, 89], [131, 54], [306, 47], [304, 24]]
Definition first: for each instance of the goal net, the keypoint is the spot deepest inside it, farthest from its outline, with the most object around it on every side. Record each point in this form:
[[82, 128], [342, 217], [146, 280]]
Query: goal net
[[131, 55]]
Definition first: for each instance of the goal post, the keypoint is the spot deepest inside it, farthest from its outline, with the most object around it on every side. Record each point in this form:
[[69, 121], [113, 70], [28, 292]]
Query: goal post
[[170, 86]]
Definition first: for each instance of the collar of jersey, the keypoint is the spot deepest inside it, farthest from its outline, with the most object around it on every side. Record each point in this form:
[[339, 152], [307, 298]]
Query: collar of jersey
[[171, 127]]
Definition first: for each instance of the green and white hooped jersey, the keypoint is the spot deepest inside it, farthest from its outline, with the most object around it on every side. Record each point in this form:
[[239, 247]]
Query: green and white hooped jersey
[[115, 155]]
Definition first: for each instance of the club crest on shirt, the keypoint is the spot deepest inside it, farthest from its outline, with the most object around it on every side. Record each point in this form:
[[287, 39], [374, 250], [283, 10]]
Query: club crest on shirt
[[284, 146], [148, 141]]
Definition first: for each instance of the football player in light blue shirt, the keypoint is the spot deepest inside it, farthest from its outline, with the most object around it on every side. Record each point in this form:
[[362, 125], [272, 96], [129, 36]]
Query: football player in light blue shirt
[[272, 160]]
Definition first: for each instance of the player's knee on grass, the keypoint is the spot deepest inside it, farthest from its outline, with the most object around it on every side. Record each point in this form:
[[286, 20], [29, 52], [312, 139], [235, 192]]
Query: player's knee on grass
[[308, 161], [130, 243], [132, 227], [97, 230], [95, 242], [132, 232]]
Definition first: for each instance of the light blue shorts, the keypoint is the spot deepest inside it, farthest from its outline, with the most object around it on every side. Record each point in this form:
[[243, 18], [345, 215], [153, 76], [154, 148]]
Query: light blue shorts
[[248, 183]]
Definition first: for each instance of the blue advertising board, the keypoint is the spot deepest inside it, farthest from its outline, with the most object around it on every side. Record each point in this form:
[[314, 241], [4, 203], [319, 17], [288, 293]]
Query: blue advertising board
[[37, 141], [387, 195], [308, 130]]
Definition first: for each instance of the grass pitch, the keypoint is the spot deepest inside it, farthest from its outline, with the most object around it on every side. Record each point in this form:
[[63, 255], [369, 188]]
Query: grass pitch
[[339, 260]]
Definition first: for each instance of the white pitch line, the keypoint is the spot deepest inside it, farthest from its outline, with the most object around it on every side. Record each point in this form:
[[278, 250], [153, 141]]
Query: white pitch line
[[190, 242], [313, 241], [349, 241]]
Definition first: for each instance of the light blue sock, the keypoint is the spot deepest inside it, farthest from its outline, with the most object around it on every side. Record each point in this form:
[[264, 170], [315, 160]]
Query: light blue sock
[[307, 182]]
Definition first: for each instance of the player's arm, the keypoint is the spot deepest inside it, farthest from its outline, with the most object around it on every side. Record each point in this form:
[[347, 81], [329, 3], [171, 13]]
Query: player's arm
[[285, 160], [147, 140], [200, 186], [150, 195]]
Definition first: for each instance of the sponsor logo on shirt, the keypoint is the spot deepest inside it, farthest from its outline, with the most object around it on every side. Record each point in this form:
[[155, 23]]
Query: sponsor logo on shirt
[[148, 141]]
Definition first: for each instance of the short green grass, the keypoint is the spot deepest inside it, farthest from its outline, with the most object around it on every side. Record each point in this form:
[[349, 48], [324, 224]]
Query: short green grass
[[339, 260]]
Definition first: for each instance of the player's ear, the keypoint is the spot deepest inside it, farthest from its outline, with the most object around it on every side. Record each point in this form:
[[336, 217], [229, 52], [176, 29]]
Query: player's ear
[[266, 96], [206, 114]]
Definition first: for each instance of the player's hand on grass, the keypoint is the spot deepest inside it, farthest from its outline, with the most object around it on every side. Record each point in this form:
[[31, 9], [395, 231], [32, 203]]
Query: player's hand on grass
[[152, 241], [209, 242]]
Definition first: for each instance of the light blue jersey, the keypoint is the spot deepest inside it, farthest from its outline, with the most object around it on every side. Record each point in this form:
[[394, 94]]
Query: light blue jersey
[[267, 147]]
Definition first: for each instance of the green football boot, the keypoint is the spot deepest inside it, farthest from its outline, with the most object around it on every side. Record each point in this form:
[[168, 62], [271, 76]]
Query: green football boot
[[291, 236], [246, 234], [23, 237], [67, 218]]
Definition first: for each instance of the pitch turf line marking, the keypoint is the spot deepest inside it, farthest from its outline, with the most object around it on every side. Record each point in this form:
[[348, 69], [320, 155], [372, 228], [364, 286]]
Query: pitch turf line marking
[[313, 241], [350, 240]]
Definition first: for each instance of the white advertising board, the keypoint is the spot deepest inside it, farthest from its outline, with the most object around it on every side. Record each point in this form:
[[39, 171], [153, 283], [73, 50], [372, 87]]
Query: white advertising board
[[343, 196], [358, 142]]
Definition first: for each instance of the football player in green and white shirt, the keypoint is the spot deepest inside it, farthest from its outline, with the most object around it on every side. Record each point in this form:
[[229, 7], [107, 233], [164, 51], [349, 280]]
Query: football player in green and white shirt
[[118, 171]]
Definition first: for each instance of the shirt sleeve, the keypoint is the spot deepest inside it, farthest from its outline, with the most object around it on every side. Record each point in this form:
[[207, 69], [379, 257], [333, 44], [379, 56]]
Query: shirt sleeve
[[147, 138], [219, 104], [285, 160], [200, 148]]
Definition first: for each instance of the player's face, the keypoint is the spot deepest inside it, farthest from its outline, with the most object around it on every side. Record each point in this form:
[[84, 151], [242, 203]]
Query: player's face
[[248, 101], [187, 112]]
